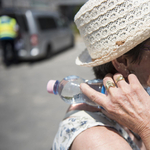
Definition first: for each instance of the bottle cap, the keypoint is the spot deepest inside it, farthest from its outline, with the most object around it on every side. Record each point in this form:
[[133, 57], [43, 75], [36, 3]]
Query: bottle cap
[[50, 86]]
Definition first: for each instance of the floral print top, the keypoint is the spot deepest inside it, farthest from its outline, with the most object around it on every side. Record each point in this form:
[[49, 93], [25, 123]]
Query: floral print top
[[77, 121]]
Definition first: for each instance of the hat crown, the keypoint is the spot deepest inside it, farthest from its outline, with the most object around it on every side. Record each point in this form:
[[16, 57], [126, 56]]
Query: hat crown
[[112, 27]]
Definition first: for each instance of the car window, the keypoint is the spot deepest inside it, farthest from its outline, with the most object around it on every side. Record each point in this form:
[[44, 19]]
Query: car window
[[46, 23], [22, 22], [62, 22]]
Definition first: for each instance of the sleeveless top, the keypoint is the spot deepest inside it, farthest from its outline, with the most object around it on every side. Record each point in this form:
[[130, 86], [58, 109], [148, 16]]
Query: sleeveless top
[[77, 121]]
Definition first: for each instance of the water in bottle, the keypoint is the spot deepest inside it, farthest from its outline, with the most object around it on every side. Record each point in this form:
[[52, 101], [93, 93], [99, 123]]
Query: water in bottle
[[69, 89]]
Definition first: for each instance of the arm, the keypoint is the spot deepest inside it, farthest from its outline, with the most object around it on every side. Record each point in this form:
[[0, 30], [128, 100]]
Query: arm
[[128, 104], [99, 138]]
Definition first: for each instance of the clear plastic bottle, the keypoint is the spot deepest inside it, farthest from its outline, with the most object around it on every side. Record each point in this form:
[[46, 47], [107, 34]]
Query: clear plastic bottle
[[69, 89]]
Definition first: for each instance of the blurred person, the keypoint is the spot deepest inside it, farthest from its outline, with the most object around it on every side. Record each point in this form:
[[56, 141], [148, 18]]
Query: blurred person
[[117, 38], [8, 34]]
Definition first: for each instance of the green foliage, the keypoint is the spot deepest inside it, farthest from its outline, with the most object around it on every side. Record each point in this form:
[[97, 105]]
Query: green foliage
[[74, 28]]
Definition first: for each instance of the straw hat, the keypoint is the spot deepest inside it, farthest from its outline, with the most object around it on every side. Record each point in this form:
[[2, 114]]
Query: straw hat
[[111, 28]]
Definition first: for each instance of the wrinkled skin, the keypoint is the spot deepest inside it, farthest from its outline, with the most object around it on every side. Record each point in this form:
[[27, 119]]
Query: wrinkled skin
[[127, 103]]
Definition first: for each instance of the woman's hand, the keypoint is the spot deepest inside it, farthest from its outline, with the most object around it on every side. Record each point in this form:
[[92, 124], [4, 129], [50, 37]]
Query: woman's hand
[[127, 103]]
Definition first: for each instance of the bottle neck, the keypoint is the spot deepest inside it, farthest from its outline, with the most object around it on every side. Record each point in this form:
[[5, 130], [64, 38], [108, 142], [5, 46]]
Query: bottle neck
[[96, 83]]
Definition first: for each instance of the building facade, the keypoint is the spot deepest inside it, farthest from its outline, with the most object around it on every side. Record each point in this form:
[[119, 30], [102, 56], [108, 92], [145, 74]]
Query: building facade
[[66, 7], [48, 4]]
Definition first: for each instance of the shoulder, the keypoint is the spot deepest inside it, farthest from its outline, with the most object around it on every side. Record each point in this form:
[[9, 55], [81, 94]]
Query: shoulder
[[99, 138]]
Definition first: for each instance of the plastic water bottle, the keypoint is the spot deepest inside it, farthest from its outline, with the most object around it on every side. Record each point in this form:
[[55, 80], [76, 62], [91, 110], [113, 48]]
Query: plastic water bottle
[[69, 89]]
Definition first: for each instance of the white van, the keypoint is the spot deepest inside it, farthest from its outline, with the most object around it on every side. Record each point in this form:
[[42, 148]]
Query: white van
[[41, 33]]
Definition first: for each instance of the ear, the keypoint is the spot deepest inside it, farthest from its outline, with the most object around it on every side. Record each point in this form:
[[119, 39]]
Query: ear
[[120, 65]]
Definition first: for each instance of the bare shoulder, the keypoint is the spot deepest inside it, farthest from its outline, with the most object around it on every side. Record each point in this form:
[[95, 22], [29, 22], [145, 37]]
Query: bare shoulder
[[99, 138]]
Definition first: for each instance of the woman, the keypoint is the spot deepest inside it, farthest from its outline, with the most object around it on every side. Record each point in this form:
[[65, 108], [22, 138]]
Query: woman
[[116, 34]]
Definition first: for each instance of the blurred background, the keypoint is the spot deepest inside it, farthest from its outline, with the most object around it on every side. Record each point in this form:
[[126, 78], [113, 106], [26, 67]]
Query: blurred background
[[47, 46]]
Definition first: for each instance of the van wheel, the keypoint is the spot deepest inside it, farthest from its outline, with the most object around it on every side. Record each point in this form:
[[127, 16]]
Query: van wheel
[[48, 51]]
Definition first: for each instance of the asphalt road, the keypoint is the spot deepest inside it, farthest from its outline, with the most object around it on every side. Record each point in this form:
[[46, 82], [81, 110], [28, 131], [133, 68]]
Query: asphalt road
[[29, 116]]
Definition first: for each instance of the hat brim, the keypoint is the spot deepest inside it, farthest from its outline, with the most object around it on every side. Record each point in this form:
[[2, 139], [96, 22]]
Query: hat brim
[[84, 59]]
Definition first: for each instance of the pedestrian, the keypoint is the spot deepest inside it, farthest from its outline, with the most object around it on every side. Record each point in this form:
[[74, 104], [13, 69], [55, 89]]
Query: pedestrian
[[117, 38], [8, 34]]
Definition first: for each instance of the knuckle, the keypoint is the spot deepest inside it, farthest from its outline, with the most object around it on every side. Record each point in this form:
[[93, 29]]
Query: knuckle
[[118, 99], [132, 91], [127, 93], [94, 97], [115, 98], [136, 88]]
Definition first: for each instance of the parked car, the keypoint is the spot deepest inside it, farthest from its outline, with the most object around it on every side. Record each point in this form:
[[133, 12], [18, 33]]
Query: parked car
[[41, 33]]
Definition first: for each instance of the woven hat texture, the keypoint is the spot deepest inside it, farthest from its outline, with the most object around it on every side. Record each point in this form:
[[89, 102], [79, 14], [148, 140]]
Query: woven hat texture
[[111, 28]]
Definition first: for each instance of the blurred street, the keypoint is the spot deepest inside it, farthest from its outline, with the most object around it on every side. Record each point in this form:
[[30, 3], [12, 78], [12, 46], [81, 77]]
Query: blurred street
[[29, 115]]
